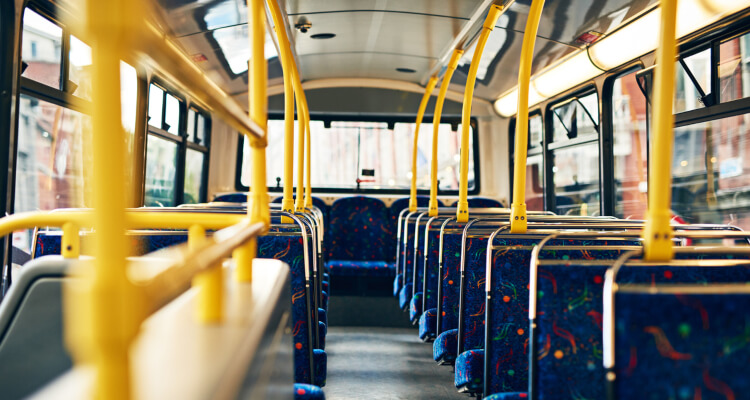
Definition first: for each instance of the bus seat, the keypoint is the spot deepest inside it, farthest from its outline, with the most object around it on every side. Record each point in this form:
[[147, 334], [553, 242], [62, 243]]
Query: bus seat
[[321, 366], [404, 295], [304, 391], [415, 307], [358, 232], [427, 322], [469, 370], [31, 328], [322, 330], [508, 396], [395, 209], [447, 307], [361, 268], [444, 349], [483, 202]]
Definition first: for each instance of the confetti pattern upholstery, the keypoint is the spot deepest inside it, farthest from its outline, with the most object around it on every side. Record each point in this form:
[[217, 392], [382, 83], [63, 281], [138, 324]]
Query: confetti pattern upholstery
[[397, 284], [444, 349], [431, 264], [449, 283], [358, 230], [508, 396], [415, 307], [321, 366], [303, 391], [394, 210], [469, 371], [361, 268], [427, 322], [682, 346], [471, 309], [483, 202], [404, 296]]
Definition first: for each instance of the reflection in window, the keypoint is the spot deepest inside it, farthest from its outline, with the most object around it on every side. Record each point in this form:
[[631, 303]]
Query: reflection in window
[[711, 179], [50, 159], [575, 174], [534, 183], [576, 118], [41, 49], [378, 157], [155, 104], [536, 131], [79, 75], [629, 125], [734, 68], [193, 176], [161, 161], [172, 115], [687, 97]]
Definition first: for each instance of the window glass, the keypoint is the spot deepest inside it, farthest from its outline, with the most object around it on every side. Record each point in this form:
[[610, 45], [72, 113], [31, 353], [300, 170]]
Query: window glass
[[380, 158], [536, 131], [734, 68], [575, 175], [687, 96], [79, 74], [711, 183], [172, 116], [576, 118], [193, 176], [161, 161], [50, 159], [535, 183], [191, 125], [629, 125], [155, 104], [41, 49], [200, 130], [128, 96]]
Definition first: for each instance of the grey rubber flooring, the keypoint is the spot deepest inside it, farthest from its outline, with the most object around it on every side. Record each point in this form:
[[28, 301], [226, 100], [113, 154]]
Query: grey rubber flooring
[[384, 363]]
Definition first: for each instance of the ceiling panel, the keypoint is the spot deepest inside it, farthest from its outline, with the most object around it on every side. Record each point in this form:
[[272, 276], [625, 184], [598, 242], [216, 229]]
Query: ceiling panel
[[362, 65], [449, 8]]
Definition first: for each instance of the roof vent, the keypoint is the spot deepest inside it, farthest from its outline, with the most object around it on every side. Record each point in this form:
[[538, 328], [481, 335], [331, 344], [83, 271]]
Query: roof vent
[[406, 70], [323, 36]]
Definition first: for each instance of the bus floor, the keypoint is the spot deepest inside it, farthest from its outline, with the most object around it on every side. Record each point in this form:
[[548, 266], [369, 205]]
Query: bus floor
[[384, 363]]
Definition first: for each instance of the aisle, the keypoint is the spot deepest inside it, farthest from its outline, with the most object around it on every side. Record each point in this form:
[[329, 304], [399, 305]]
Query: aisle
[[384, 363]]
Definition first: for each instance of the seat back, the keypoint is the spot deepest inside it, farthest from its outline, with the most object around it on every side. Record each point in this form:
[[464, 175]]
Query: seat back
[[32, 351], [431, 261], [450, 277], [358, 230], [483, 202]]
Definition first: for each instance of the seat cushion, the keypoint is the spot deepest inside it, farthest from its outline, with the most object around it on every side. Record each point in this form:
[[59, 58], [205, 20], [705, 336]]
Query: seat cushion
[[361, 268], [322, 330], [508, 396], [470, 371], [404, 296], [397, 285], [415, 307], [303, 391], [322, 316], [321, 367], [445, 347], [428, 324]]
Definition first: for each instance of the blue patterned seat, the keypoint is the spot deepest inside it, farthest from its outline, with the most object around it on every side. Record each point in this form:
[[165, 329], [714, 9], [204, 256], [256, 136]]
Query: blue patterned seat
[[508, 396], [358, 233], [404, 295], [415, 307], [427, 322], [444, 349], [304, 391], [361, 268], [450, 277], [431, 275], [398, 247], [483, 202], [682, 346], [469, 370]]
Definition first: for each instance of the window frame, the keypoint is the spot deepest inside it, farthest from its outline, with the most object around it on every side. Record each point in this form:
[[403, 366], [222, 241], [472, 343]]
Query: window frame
[[180, 138], [391, 121]]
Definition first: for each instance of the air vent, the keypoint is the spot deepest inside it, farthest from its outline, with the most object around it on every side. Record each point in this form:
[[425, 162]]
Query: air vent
[[406, 70], [323, 36]]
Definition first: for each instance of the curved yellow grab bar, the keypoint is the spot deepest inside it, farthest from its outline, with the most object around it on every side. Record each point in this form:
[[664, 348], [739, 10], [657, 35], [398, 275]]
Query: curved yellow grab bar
[[420, 115], [452, 64], [462, 209], [308, 172], [518, 207], [657, 234]]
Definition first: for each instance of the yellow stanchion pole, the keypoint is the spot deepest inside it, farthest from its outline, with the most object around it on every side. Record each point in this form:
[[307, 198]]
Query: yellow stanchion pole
[[71, 241], [452, 64], [210, 283], [462, 209], [308, 150], [302, 129], [657, 234], [258, 209], [420, 115], [518, 218]]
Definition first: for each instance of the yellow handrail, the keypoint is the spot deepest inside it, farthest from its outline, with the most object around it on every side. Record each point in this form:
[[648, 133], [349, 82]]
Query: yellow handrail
[[452, 64], [210, 300], [257, 202], [518, 207], [462, 209], [657, 234], [420, 115]]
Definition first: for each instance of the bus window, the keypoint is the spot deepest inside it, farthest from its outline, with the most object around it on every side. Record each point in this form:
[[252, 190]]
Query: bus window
[[535, 183], [367, 155], [687, 96], [575, 155], [79, 67], [41, 49], [194, 161], [161, 162], [629, 113], [734, 71]]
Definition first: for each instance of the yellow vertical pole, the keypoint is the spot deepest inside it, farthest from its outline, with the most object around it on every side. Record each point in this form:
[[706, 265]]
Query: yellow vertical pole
[[71, 241], [462, 209], [414, 151], [308, 146], [657, 234], [518, 207], [452, 64], [302, 128], [210, 301], [258, 209], [115, 310]]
